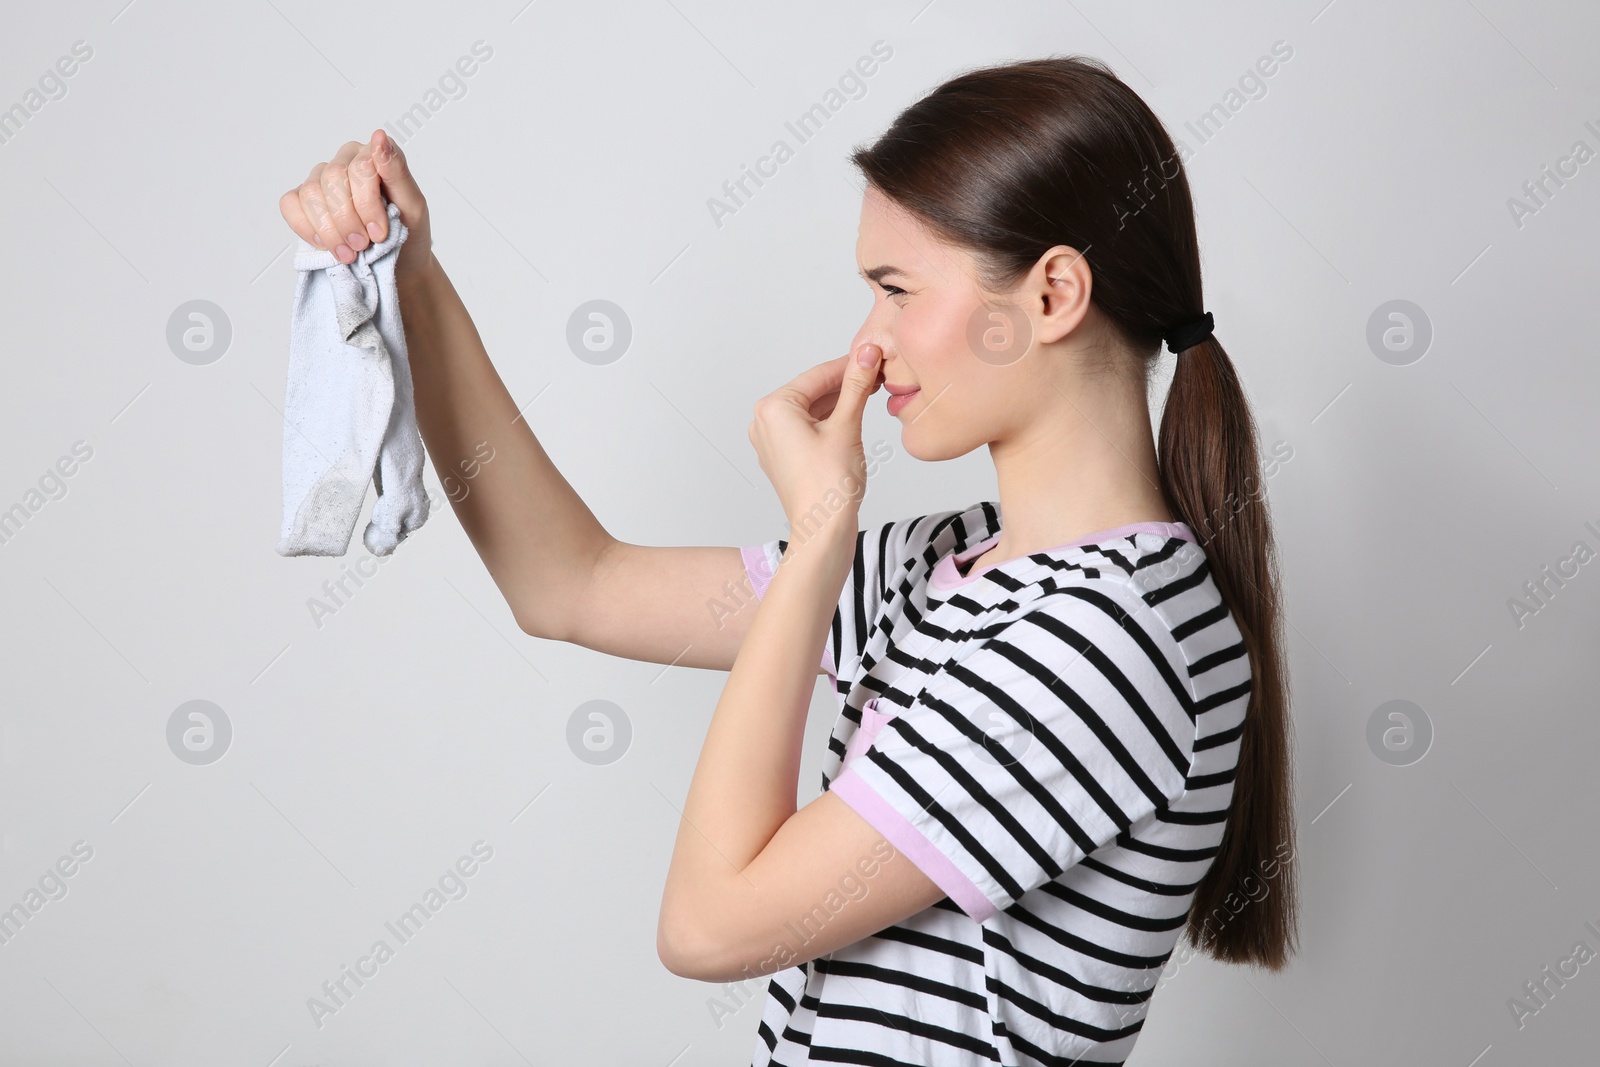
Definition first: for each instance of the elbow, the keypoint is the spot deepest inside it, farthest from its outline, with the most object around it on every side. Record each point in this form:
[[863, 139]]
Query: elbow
[[673, 943], [529, 625], [539, 625], [686, 949]]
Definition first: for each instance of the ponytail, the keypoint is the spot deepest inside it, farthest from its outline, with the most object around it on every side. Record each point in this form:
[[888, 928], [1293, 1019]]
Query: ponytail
[[1211, 475]]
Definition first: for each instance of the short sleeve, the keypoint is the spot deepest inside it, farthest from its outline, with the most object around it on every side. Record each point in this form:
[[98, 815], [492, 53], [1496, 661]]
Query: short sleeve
[[1053, 735]]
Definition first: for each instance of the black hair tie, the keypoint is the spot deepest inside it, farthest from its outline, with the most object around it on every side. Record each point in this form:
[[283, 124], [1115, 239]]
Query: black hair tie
[[1189, 334]]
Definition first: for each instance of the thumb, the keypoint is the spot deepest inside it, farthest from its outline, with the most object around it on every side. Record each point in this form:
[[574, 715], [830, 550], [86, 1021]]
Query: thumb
[[399, 187], [860, 382]]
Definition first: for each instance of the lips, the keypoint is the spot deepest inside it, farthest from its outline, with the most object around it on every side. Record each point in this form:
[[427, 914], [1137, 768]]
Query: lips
[[901, 390], [898, 402]]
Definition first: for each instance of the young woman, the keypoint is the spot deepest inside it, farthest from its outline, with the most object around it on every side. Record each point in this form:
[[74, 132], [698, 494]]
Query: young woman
[[1063, 738]]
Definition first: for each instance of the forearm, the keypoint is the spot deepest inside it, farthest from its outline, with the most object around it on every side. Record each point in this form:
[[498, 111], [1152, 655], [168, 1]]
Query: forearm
[[537, 538], [745, 782]]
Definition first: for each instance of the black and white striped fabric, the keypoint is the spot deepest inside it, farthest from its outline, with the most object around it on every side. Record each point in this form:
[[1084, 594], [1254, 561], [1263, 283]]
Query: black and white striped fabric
[[1053, 740]]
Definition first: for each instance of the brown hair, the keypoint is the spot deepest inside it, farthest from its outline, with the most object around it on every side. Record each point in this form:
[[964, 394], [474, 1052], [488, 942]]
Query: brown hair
[[1009, 161]]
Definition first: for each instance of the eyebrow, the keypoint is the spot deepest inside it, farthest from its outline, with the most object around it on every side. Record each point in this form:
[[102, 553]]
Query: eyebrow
[[877, 274]]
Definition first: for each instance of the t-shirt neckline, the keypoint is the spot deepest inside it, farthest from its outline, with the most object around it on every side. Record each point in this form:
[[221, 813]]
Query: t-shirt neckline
[[946, 576]]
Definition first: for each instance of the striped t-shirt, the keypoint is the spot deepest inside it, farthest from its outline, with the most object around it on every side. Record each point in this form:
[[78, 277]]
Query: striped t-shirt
[[1052, 740]]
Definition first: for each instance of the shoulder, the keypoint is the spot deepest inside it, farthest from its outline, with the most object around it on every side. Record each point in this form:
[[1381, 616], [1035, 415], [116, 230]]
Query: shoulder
[[1099, 624], [1121, 626], [1089, 671], [1148, 613], [1162, 581]]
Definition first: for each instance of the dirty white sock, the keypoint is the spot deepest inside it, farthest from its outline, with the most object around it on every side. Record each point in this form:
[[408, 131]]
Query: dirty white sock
[[348, 406], [402, 504]]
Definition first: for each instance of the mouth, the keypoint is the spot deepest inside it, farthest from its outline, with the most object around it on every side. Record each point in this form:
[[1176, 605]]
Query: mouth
[[898, 400]]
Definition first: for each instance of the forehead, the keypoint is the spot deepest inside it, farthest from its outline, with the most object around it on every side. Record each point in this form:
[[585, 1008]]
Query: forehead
[[887, 233], [890, 235]]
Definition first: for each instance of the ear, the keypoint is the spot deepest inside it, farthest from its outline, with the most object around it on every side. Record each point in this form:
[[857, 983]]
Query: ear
[[1059, 288]]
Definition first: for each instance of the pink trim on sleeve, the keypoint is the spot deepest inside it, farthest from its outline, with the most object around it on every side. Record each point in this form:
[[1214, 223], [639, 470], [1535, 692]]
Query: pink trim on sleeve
[[865, 801], [755, 565]]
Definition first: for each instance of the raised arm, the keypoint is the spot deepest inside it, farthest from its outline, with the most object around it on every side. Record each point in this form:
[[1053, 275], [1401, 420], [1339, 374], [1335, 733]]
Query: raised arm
[[563, 576]]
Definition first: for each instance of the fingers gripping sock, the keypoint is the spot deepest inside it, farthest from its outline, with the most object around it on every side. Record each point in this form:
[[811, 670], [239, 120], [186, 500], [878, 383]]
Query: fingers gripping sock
[[347, 376]]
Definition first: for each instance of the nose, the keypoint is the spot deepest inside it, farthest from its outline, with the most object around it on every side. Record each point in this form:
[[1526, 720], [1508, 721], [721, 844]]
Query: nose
[[878, 328], [870, 333]]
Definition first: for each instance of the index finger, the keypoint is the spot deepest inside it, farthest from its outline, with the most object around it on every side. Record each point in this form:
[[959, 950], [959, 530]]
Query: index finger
[[338, 198], [364, 187]]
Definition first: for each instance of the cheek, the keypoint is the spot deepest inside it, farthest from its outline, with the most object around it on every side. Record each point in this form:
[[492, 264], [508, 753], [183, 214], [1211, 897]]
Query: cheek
[[934, 336]]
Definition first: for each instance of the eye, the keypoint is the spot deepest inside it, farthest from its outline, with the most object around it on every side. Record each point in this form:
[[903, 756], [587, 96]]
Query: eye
[[892, 290]]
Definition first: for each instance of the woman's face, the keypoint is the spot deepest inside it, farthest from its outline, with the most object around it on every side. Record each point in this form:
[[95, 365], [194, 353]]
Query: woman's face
[[963, 355]]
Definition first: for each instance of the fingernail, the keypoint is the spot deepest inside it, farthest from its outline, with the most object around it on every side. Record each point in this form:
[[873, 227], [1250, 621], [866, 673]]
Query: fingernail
[[357, 241], [867, 355], [375, 232]]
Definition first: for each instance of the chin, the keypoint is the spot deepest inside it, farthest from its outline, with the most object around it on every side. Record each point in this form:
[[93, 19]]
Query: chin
[[919, 443]]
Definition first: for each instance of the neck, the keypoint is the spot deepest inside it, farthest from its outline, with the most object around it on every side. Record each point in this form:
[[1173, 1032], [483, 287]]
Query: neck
[[1084, 464]]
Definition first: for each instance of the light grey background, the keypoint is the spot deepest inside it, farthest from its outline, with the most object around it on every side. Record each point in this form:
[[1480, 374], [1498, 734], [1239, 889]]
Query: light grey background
[[370, 752]]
